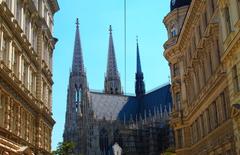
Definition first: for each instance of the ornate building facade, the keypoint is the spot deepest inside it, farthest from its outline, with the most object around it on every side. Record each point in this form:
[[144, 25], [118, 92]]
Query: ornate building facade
[[26, 49], [95, 121], [204, 56]]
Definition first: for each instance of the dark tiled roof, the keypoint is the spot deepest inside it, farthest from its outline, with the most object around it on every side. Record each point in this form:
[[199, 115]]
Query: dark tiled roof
[[160, 96], [120, 107], [179, 3]]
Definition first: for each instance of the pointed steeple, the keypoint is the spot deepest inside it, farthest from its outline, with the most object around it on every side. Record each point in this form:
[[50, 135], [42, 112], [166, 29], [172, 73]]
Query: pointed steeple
[[139, 84], [112, 80], [77, 64], [139, 68], [77, 91]]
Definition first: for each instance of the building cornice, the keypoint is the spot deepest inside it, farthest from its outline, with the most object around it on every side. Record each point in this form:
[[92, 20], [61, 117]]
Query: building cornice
[[190, 18], [54, 6]]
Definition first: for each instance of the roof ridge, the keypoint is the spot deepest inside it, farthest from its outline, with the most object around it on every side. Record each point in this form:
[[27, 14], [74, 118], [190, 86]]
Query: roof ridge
[[158, 87]]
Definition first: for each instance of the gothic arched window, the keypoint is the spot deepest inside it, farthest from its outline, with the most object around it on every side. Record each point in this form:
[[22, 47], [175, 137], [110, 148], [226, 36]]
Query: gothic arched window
[[103, 141], [78, 94]]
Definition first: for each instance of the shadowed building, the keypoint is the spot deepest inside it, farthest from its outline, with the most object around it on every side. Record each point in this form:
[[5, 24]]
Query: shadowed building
[[95, 121], [204, 56], [26, 50]]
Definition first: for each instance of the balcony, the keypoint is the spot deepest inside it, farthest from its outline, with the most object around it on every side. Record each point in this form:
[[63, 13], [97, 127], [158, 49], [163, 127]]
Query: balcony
[[170, 42]]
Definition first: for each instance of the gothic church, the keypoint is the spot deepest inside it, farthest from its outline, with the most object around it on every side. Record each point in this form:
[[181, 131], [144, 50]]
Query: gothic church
[[96, 121]]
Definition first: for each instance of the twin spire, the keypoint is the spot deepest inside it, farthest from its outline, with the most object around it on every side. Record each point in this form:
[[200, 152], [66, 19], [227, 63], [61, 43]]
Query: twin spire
[[77, 64], [112, 83]]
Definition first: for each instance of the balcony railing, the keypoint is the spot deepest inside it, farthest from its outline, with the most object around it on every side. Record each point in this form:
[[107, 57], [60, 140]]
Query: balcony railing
[[170, 42]]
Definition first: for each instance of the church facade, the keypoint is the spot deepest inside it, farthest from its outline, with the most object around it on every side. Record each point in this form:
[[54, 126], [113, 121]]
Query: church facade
[[97, 121], [204, 56]]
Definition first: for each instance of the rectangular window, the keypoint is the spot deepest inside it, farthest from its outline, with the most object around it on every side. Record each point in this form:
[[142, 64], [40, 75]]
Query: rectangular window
[[23, 124], [208, 121], [226, 102], [178, 101], [195, 132], [199, 128], [204, 18], [30, 79], [2, 109], [238, 3], [228, 152], [227, 20], [218, 51], [34, 39], [212, 6], [199, 32], [235, 78], [175, 70], [25, 75], [15, 118], [27, 24], [224, 107], [5, 50], [203, 125], [19, 12], [210, 63], [33, 85], [215, 114], [9, 4], [179, 138], [15, 61], [192, 136], [36, 3]]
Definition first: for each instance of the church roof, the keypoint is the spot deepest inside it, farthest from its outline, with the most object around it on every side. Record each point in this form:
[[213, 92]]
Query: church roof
[[108, 106], [123, 107]]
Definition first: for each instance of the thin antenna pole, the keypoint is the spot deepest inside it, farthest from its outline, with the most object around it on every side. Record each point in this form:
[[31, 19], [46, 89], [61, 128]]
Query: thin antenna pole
[[125, 44]]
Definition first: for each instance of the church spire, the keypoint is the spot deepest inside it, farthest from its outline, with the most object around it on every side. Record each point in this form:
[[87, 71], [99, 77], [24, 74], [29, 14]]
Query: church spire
[[112, 80], [77, 90], [139, 84], [77, 64]]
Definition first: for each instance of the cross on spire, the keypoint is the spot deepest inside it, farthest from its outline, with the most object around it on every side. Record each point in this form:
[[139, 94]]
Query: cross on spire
[[110, 29], [77, 23]]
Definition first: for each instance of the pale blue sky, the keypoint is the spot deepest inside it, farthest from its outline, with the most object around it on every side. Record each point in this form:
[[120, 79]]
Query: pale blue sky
[[144, 18]]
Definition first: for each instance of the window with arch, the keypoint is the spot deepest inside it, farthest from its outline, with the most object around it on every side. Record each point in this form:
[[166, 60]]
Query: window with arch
[[78, 94], [103, 141]]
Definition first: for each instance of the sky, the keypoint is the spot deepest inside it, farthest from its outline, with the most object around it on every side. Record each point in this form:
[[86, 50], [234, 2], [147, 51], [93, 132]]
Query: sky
[[144, 19]]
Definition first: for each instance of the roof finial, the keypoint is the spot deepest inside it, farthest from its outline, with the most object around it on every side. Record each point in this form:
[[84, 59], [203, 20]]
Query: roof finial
[[77, 23], [110, 28], [137, 39]]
